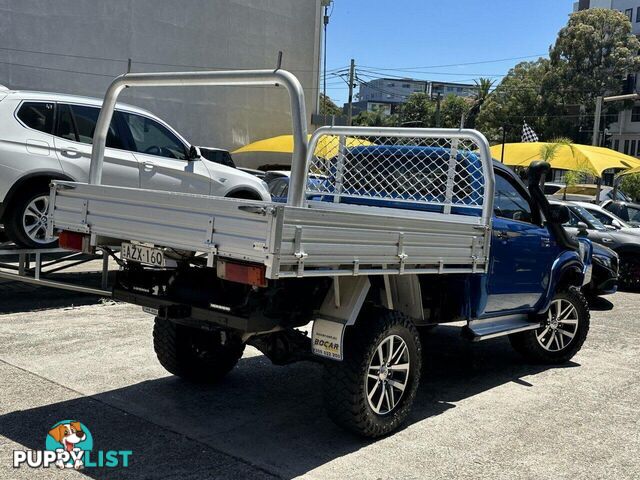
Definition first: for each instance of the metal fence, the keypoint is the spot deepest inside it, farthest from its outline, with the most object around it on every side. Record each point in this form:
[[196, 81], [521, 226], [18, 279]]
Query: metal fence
[[446, 171]]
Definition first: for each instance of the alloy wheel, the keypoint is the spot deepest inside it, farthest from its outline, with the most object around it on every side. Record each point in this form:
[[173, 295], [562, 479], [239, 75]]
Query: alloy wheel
[[560, 326], [34, 220], [388, 374]]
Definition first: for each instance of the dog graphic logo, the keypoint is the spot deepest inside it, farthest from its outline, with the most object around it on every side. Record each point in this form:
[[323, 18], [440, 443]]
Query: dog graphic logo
[[72, 437]]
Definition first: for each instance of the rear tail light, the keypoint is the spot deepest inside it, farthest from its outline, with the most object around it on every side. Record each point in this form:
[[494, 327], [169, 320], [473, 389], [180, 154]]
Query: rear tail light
[[74, 241], [247, 273]]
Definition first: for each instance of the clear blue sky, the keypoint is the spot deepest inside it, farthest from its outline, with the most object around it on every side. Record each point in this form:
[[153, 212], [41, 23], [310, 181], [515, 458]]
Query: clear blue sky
[[429, 33]]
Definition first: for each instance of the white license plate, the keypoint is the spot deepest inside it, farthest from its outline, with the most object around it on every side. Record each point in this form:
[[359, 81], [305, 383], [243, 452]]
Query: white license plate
[[150, 311], [142, 254]]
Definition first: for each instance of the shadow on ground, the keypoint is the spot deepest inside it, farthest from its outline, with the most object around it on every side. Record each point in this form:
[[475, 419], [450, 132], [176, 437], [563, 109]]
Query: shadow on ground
[[261, 420], [600, 304], [18, 297]]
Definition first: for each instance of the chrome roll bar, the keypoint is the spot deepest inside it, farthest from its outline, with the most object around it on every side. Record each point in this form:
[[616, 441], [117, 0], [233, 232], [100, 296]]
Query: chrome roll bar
[[205, 78]]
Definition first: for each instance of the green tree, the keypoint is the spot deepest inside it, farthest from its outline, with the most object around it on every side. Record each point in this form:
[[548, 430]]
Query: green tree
[[630, 185], [592, 55], [375, 119], [418, 110], [452, 109], [328, 107], [518, 96]]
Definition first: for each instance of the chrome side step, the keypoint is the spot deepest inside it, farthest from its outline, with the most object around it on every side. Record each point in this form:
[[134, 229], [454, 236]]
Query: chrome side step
[[477, 330]]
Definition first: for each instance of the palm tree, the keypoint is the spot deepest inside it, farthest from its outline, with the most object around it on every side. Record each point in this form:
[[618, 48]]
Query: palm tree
[[548, 152], [483, 90]]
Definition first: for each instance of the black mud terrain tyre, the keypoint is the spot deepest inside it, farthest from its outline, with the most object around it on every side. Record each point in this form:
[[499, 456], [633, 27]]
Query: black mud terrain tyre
[[564, 329], [372, 390], [193, 354], [25, 220]]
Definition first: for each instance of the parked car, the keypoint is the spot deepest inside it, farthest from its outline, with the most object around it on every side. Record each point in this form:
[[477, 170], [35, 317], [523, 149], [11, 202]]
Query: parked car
[[550, 188], [604, 278], [45, 136], [223, 157], [609, 219], [627, 245], [278, 182], [626, 210], [587, 193]]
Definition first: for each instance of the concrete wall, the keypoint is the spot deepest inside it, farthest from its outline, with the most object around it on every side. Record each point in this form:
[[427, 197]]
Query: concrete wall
[[160, 35]]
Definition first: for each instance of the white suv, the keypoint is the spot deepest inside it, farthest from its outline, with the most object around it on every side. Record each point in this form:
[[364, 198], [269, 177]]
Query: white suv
[[45, 136]]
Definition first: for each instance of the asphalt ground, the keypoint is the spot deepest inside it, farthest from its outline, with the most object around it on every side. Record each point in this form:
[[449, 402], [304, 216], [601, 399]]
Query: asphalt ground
[[481, 412]]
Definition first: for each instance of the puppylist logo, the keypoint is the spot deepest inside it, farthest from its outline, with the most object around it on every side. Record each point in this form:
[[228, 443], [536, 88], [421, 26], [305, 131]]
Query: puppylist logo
[[69, 444]]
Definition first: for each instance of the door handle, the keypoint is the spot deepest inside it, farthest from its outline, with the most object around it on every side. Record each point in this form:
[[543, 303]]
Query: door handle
[[502, 235], [70, 153], [148, 165]]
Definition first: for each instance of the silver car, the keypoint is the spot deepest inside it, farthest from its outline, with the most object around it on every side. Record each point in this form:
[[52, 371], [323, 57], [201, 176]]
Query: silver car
[[45, 136]]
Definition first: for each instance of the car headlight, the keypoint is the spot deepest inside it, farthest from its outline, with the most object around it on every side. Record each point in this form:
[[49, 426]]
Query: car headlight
[[603, 260]]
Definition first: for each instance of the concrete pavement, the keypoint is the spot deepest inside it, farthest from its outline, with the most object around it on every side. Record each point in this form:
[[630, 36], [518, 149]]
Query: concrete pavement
[[480, 413]]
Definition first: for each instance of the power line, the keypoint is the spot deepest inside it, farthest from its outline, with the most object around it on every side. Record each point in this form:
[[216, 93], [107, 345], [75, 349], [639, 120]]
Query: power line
[[403, 69]]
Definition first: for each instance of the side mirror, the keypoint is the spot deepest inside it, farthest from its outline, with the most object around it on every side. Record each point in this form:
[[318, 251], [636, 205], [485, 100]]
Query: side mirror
[[616, 224], [194, 153], [582, 228], [559, 214]]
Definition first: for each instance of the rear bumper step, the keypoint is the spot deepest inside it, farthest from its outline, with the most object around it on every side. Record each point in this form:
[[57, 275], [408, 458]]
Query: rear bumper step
[[176, 311]]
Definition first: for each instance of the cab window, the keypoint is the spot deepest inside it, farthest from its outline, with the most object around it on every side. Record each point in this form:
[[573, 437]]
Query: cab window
[[150, 137], [37, 115], [509, 202]]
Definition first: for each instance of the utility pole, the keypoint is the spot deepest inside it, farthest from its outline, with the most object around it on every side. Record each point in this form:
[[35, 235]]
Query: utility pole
[[352, 73], [595, 140], [438, 99], [325, 22]]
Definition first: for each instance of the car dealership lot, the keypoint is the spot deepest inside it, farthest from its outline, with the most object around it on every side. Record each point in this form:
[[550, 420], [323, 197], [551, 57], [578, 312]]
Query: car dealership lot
[[481, 412]]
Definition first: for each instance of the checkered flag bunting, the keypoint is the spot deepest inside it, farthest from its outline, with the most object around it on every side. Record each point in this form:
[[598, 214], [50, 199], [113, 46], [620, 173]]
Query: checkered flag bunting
[[528, 135]]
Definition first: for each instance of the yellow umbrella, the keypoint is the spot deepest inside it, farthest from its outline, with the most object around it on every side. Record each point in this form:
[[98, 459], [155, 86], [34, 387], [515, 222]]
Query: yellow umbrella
[[568, 157], [631, 171], [327, 146]]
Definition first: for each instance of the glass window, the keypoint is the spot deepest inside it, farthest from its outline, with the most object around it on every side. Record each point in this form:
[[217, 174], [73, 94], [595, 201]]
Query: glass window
[[65, 127], [586, 217], [626, 147], [78, 123], [152, 138], [629, 13], [406, 85], [604, 219], [638, 15], [509, 203], [85, 119], [616, 145], [634, 214], [37, 115], [574, 220], [633, 148], [279, 187], [635, 114]]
